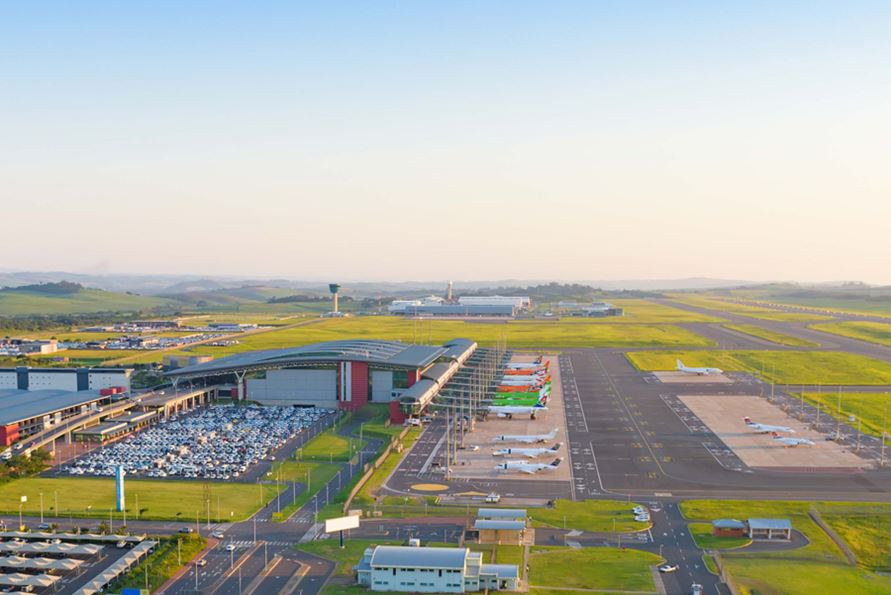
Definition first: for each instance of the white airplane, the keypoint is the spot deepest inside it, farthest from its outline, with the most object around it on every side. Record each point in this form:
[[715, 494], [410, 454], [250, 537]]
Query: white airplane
[[509, 411], [764, 428], [527, 438], [525, 365], [791, 442], [530, 468], [698, 371], [529, 453], [521, 381]]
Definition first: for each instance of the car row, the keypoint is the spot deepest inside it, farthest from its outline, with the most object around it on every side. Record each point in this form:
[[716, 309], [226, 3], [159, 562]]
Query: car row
[[219, 442]]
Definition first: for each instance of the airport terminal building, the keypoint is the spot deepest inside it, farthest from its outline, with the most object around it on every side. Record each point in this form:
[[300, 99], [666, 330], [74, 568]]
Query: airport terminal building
[[337, 374]]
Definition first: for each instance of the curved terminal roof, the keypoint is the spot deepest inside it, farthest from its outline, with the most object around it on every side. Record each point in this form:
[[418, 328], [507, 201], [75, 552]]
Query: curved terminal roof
[[380, 353]]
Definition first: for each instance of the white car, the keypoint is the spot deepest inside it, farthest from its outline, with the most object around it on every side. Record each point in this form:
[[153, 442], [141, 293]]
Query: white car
[[230, 547], [666, 568], [217, 535]]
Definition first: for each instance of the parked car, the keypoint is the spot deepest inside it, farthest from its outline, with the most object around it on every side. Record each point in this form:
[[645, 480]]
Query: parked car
[[43, 526], [696, 589], [493, 498]]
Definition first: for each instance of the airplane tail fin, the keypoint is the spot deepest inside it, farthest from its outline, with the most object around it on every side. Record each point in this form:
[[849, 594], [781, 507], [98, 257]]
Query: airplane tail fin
[[557, 446], [775, 434], [747, 419], [556, 462], [552, 434], [679, 363]]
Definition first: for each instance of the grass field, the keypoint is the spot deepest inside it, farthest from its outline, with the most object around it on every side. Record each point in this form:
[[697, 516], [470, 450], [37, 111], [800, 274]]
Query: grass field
[[22, 303], [591, 568], [784, 367], [769, 335], [874, 332], [588, 515], [816, 568], [328, 446], [865, 528], [158, 500], [92, 356], [541, 334], [869, 408], [702, 535], [642, 311], [838, 305], [750, 310]]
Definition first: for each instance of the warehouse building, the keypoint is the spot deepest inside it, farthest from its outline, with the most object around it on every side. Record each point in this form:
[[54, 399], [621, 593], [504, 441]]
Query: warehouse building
[[433, 570], [26, 378], [337, 374]]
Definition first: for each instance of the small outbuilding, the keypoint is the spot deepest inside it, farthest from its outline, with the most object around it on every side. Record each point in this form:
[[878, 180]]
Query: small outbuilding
[[769, 529], [728, 528]]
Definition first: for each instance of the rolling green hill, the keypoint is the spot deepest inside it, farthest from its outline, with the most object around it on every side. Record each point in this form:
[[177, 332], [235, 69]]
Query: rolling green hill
[[72, 298]]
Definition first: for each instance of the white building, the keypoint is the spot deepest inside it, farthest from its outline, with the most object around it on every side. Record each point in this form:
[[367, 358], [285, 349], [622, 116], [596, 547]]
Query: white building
[[69, 379], [400, 306], [517, 301], [433, 570]]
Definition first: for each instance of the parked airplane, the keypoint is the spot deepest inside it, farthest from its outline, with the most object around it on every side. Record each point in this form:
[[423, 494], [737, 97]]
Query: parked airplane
[[764, 428], [790, 442], [527, 438], [530, 468], [523, 380], [698, 371], [509, 411], [529, 453], [525, 365]]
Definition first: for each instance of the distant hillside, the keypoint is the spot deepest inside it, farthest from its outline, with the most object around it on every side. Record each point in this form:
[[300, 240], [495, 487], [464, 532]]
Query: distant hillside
[[65, 297], [246, 294]]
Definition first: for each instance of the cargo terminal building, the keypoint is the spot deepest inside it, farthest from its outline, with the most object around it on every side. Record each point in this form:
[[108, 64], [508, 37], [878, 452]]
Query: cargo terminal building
[[339, 374]]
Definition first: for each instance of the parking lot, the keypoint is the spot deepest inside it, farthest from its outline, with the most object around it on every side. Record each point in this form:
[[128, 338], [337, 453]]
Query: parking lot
[[212, 443]]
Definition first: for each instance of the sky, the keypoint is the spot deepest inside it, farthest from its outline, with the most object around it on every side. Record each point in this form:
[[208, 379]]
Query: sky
[[474, 140]]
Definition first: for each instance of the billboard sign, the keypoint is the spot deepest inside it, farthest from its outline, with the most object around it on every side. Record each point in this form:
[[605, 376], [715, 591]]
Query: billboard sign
[[341, 524]]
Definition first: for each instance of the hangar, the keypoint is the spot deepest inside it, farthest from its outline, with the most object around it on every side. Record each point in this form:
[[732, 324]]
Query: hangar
[[338, 374]]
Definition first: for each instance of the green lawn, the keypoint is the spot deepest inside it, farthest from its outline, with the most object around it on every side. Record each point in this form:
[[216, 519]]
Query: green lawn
[[702, 535], [869, 408], [591, 568], [874, 332], [534, 334], [162, 563], [816, 568], [785, 367], [772, 336], [158, 499], [588, 515], [328, 446]]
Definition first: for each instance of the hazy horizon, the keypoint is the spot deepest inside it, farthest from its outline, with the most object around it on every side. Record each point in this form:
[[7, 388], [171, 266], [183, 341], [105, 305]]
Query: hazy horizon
[[399, 140]]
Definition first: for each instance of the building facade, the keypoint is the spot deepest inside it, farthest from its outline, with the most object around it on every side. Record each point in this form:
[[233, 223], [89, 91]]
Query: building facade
[[432, 570]]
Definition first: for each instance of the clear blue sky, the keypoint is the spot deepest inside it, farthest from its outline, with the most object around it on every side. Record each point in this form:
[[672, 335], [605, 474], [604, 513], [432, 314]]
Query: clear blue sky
[[473, 140]]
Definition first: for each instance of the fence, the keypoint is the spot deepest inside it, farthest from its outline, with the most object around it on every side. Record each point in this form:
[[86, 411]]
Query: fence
[[373, 466]]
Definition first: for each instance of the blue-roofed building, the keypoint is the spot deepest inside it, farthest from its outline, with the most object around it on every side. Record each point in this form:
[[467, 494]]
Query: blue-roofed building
[[769, 529], [433, 570]]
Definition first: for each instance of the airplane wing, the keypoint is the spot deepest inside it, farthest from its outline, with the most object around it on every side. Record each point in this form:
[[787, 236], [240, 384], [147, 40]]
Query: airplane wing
[[528, 471]]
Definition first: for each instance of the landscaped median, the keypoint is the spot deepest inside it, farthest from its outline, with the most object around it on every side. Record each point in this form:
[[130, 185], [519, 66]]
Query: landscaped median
[[588, 515], [171, 554]]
